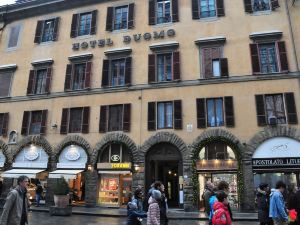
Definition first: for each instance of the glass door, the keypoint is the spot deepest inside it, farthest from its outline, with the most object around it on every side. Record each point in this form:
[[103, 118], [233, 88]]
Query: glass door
[[109, 190]]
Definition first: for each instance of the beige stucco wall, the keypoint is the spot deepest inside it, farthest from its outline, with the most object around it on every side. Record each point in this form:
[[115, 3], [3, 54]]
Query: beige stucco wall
[[295, 18], [235, 26]]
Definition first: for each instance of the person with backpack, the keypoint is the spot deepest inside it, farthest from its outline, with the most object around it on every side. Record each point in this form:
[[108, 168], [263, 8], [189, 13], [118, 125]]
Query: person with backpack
[[38, 194], [154, 210], [263, 204], [208, 192], [221, 213], [133, 215]]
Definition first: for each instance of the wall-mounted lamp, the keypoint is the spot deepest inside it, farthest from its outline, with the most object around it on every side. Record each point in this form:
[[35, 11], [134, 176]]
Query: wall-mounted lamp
[[90, 168], [136, 167]]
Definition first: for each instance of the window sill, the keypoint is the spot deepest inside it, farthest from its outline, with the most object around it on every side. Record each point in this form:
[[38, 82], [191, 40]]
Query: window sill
[[164, 24], [120, 31], [46, 43], [209, 19], [164, 82], [12, 49], [261, 13], [83, 37], [165, 128]]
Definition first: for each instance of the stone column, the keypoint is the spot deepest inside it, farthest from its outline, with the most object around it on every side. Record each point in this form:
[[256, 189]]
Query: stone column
[[49, 198], [248, 193], [189, 205], [138, 177], [91, 187], [6, 185]]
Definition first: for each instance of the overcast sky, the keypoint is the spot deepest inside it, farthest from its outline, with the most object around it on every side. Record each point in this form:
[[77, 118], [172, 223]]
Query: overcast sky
[[5, 2]]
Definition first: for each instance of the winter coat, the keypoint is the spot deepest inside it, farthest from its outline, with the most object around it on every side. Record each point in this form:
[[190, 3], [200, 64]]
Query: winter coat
[[12, 210], [206, 196], [132, 217], [277, 207], [298, 207], [139, 203], [212, 201], [163, 206], [292, 203], [263, 205], [153, 215], [221, 214]]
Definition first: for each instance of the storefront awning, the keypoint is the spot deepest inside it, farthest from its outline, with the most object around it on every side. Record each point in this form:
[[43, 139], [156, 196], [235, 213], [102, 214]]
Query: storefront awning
[[15, 173], [67, 174], [114, 171]]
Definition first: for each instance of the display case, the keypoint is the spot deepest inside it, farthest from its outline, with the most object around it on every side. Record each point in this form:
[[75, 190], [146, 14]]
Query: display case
[[109, 190]]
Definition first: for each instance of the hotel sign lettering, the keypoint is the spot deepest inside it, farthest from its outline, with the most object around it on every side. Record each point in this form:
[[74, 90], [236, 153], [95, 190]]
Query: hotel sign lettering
[[126, 39], [276, 162]]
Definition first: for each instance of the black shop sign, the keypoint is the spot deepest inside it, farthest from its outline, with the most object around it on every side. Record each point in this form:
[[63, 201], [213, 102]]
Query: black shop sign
[[276, 163]]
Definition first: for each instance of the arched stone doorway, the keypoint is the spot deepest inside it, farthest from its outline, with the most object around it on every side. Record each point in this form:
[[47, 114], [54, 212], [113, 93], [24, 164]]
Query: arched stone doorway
[[164, 163]]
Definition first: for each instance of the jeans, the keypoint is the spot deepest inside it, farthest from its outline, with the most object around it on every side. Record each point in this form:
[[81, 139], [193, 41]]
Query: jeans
[[38, 198]]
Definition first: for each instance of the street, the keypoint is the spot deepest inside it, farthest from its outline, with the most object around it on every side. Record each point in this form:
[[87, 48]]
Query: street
[[42, 218]]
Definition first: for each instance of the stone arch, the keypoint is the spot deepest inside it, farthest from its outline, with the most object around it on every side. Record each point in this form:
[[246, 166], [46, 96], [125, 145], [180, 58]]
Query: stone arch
[[212, 135], [166, 137], [8, 155], [114, 138], [73, 140], [37, 140], [270, 132]]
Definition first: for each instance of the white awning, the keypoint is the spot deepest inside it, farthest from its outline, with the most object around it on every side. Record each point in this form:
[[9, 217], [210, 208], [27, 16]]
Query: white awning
[[67, 174], [15, 173], [114, 171]]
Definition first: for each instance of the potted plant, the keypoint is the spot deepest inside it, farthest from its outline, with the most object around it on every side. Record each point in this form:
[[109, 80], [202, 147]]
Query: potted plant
[[61, 193]]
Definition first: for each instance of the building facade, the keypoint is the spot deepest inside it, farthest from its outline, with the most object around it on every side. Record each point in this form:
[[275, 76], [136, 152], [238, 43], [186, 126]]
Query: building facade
[[113, 95]]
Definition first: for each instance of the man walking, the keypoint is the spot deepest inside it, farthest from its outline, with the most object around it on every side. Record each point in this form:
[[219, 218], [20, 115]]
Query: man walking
[[278, 211], [15, 210]]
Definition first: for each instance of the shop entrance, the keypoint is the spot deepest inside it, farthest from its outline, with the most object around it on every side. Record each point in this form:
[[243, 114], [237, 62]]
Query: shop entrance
[[163, 163]]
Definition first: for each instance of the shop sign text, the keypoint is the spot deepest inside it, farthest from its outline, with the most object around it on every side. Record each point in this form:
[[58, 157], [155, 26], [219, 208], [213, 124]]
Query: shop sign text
[[120, 165], [276, 162]]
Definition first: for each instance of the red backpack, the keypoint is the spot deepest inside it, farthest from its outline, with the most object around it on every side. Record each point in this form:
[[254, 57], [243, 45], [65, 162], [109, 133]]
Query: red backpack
[[219, 217]]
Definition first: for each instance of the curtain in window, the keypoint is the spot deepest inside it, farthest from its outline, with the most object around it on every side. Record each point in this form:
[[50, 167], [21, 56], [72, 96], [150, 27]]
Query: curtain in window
[[261, 5], [160, 115], [79, 76], [121, 15], [115, 118], [219, 112], [169, 114], [210, 113], [215, 112], [75, 120], [14, 36], [118, 72], [275, 108], [35, 123], [40, 81], [48, 31], [268, 58], [85, 24], [207, 8], [5, 81], [164, 67], [163, 11]]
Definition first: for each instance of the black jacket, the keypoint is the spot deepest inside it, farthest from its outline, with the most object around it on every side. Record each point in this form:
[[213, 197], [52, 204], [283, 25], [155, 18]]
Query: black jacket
[[132, 217]]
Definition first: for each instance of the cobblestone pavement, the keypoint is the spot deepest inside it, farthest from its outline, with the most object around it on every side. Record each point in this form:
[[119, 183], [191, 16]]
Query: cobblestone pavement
[[41, 218]]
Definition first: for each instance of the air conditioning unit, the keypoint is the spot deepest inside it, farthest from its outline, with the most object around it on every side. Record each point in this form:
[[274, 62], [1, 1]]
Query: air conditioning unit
[[272, 120]]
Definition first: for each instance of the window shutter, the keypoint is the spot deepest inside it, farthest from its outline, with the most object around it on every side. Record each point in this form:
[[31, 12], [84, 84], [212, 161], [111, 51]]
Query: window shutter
[[175, 16], [224, 67], [151, 116], [68, 77], [24, 130], [85, 120], [131, 16], [88, 74], [283, 56], [93, 22], [128, 62], [109, 18], [291, 108], [152, 12], [248, 6], [229, 111], [44, 122], [126, 117], [260, 110], [5, 124], [31, 82], [195, 9], [177, 115], [48, 80], [255, 58], [74, 26], [103, 119], [201, 114], [38, 31], [151, 68], [275, 4], [55, 32], [220, 8], [64, 121], [176, 66], [105, 73]]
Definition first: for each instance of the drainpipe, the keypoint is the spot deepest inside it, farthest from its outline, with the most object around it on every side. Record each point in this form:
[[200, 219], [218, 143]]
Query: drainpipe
[[292, 34]]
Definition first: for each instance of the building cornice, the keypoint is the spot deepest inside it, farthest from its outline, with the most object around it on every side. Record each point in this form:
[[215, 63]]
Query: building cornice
[[139, 87]]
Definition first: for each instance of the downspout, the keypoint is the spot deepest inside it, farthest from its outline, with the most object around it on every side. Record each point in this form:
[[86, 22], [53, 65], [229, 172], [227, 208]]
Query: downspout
[[4, 22], [292, 34]]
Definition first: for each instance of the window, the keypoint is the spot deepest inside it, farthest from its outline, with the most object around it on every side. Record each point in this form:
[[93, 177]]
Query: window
[[165, 115], [3, 124], [121, 17], [78, 76], [210, 63], [116, 72], [39, 81], [115, 118], [5, 83], [75, 120], [14, 36], [34, 122], [269, 57], [115, 153], [46, 30], [261, 5], [83, 24], [207, 8], [163, 11], [276, 109], [216, 150], [163, 67], [215, 112]]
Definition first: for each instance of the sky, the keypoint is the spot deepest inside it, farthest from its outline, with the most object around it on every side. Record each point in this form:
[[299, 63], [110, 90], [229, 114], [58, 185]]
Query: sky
[[5, 2]]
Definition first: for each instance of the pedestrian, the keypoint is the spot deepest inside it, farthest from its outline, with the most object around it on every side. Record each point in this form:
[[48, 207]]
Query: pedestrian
[[133, 215], [263, 204], [221, 213], [278, 211], [138, 199], [298, 206], [38, 194], [153, 215], [208, 192], [163, 206], [15, 209], [292, 200], [211, 202]]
